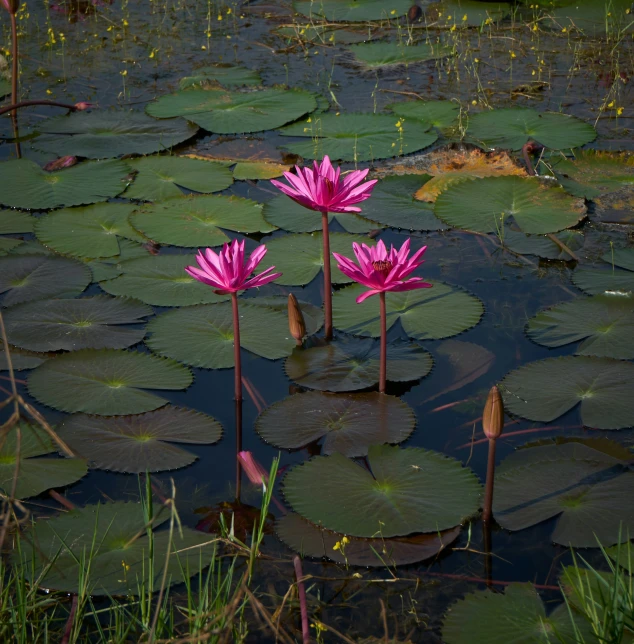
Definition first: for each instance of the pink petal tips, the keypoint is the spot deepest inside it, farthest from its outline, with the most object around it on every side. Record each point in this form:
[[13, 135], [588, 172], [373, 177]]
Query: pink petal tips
[[227, 270], [254, 471], [322, 188]]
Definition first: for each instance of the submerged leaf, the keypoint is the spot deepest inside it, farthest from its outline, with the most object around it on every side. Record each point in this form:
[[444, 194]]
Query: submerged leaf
[[352, 10], [382, 54]]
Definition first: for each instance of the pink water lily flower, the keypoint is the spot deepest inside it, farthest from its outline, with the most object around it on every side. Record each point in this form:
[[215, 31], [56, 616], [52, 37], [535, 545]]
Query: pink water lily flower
[[382, 270], [322, 188], [227, 270]]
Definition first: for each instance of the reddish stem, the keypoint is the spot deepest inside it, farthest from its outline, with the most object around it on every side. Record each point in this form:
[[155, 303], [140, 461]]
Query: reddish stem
[[236, 348], [71, 619], [383, 354], [62, 500], [16, 105], [302, 599], [327, 278], [238, 448], [14, 81], [487, 512]]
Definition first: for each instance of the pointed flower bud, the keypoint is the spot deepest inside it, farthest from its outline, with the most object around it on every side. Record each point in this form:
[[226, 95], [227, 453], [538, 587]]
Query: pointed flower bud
[[493, 415], [254, 471], [296, 323]]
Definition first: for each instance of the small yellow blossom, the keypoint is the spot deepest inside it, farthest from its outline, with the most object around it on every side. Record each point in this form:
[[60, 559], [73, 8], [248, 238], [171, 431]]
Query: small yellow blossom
[[619, 111]]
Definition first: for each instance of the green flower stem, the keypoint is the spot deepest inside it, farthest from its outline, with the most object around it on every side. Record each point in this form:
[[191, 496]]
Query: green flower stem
[[383, 355], [327, 279]]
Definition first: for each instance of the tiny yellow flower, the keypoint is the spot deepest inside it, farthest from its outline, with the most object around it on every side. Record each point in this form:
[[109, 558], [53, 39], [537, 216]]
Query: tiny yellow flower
[[125, 23], [477, 60], [124, 72], [512, 53], [474, 102], [611, 104], [564, 30], [619, 111], [337, 545], [229, 11], [219, 17], [309, 120], [393, 12], [49, 92], [397, 124], [204, 48], [465, 18], [345, 541]]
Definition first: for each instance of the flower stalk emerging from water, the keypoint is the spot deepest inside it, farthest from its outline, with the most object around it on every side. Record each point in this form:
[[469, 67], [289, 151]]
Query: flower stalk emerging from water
[[492, 424], [382, 270], [228, 272], [323, 189]]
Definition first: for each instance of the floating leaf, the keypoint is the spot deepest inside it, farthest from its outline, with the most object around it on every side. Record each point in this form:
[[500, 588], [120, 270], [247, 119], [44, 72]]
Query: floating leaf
[[140, 443], [5, 87], [622, 257], [162, 177], [353, 363], [26, 185], [352, 10], [484, 205], [393, 204], [605, 323], [402, 491], [104, 134], [110, 267], [541, 245], [348, 423], [586, 489], [227, 76], [7, 244], [161, 281], [358, 137], [324, 34], [235, 112], [597, 281], [90, 323], [195, 221], [202, 336], [284, 213], [300, 258], [119, 555], [106, 382], [89, 231], [24, 278], [20, 360], [518, 615], [593, 18], [313, 541], [255, 170], [382, 54], [440, 114], [467, 13], [35, 475], [425, 314], [511, 128], [15, 221], [546, 389]]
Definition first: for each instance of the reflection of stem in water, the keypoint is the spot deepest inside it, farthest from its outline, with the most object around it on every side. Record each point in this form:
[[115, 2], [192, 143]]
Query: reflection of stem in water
[[383, 354], [238, 406], [327, 280], [301, 591], [236, 348]]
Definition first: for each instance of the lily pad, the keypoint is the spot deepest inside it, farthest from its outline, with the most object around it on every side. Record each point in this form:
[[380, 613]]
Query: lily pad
[[202, 336], [586, 489], [35, 475], [402, 491], [104, 134], [226, 112], [108, 268], [470, 13], [161, 281], [99, 322], [546, 389], [393, 204], [313, 541], [324, 34], [484, 205], [15, 221], [608, 279], [256, 170], [518, 615], [358, 137], [196, 221], [135, 444], [114, 536], [26, 185], [348, 423], [425, 314], [511, 128], [593, 18], [20, 360], [106, 382], [8, 243], [352, 10], [543, 246], [5, 87], [382, 54], [88, 232], [24, 278], [162, 177], [300, 257], [605, 323], [227, 76], [284, 213], [440, 114], [621, 257], [348, 364]]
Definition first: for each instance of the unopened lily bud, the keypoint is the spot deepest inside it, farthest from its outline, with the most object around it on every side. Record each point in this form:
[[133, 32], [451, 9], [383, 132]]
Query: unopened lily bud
[[59, 164], [83, 105], [11, 6], [414, 13], [493, 415], [296, 323], [254, 471]]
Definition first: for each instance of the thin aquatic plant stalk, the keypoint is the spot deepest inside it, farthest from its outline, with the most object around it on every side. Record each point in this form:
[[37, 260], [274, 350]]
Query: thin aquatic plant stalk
[[238, 409], [301, 591], [14, 79], [236, 348], [327, 279], [16, 105], [488, 492], [383, 353]]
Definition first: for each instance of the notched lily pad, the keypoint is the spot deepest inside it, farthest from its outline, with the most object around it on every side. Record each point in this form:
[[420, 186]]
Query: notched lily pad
[[608, 279]]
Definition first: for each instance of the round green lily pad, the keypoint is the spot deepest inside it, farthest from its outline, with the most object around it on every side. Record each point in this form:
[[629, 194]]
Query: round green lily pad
[[227, 112], [605, 323], [15, 221], [440, 114], [106, 382], [99, 322], [162, 177], [24, 278], [348, 364], [139, 443], [403, 491], [352, 10], [225, 75], [89, 231], [484, 205], [425, 314], [20, 360], [348, 423], [107, 268], [608, 279], [384, 54], [546, 389], [196, 221]]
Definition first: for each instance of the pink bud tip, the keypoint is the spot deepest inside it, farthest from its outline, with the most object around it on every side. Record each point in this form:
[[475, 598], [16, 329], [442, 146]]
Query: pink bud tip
[[254, 471], [83, 105]]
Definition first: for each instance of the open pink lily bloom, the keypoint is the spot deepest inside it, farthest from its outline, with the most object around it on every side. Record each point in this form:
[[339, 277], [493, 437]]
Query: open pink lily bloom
[[383, 270], [227, 271], [323, 189]]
